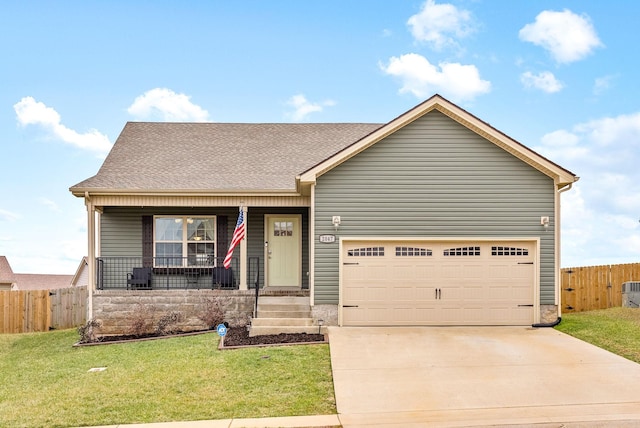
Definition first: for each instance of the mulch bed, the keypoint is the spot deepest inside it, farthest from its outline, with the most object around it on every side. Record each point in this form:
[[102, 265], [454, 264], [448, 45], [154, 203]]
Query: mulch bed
[[235, 338], [238, 337]]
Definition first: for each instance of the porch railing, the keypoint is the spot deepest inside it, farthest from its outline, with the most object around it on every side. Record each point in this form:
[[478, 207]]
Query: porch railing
[[168, 273]]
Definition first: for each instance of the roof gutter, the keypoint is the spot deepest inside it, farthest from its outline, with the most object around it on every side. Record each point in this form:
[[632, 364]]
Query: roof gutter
[[568, 186]]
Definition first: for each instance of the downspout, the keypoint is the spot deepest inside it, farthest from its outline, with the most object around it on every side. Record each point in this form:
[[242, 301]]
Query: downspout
[[559, 319]]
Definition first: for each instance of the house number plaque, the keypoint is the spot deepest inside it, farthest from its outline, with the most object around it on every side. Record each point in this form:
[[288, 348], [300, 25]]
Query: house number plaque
[[327, 239]]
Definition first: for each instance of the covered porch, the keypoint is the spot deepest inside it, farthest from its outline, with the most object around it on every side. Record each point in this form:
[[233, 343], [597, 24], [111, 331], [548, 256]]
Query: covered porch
[[180, 243]]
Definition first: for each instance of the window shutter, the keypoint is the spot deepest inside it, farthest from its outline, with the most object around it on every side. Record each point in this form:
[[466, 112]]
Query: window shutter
[[222, 240], [147, 240]]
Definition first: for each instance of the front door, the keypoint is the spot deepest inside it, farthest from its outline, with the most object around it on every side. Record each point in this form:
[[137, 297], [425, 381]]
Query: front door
[[283, 245]]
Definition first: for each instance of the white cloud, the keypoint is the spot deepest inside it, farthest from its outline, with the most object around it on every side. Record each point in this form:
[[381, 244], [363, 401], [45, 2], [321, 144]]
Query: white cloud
[[421, 78], [600, 214], [8, 215], [440, 25], [545, 81], [602, 84], [31, 112], [165, 105], [50, 204], [302, 108], [568, 37]]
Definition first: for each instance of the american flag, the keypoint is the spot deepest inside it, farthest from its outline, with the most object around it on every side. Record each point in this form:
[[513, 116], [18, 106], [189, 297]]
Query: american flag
[[238, 235]]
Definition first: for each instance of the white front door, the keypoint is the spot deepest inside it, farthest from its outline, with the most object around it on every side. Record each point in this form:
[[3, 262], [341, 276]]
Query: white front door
[[283, 245]]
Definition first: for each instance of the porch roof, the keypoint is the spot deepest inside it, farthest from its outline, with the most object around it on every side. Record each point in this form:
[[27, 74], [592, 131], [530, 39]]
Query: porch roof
[[161, 157]]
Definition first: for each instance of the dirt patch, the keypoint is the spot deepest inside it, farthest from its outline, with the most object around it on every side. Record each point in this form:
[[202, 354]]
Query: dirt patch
[[237, 337]]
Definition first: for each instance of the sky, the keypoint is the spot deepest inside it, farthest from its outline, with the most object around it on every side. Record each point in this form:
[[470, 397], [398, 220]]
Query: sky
[[560, 77]]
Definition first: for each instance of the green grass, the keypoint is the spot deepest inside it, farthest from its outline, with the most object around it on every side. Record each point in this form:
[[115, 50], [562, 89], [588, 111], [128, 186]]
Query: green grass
[[45, 382], [617, 330]]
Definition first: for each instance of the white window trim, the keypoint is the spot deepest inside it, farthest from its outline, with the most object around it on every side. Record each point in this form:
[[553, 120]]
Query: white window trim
[[185, 241]]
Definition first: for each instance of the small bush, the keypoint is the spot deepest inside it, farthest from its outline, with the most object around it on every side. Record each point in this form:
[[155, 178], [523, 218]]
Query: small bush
[[87, 331], [141, 320], [168, 324], [213, 310]]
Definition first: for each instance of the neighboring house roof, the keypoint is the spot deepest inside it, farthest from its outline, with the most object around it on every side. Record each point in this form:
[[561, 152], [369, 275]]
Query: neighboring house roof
[[7, 277], [217, 157], [35, 281], [561, 176]]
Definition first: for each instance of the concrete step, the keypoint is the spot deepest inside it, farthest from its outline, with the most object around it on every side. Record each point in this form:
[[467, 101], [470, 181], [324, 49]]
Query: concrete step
[[283, 314], [282, 307], [267, 330], [293, 300], [282, 322]]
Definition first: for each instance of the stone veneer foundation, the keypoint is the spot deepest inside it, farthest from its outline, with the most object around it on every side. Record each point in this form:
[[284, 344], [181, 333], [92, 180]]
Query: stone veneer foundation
[[116, 308]]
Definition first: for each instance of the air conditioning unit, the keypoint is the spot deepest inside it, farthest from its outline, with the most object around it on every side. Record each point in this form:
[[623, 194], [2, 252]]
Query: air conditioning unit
[[631, 294]]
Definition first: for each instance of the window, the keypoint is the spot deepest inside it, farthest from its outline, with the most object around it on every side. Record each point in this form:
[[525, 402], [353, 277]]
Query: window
[[283, 228], [509, 251], [462, 251], [184, 241], [411, 251], [364, 252]]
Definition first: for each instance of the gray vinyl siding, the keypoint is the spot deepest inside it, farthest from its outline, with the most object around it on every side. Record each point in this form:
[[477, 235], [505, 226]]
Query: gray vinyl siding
[[121, 231], [433, 178]]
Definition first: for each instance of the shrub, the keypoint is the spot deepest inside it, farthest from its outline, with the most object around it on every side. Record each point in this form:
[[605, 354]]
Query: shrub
[[213, 310], [141, 320], [87, 331], [168, 324]]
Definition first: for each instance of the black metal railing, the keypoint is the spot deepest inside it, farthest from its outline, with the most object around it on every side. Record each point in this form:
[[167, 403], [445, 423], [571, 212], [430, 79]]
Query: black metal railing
[[168, 273]]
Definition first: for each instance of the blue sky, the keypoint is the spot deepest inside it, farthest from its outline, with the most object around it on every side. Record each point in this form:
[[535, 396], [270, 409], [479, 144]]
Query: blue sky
[[558, 76]]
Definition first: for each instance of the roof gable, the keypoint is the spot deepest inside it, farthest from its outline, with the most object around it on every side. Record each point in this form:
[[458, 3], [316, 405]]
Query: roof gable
[[561, 176]]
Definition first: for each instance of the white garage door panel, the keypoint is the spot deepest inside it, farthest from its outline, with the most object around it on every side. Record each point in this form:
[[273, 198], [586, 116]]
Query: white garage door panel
[[438, 283]]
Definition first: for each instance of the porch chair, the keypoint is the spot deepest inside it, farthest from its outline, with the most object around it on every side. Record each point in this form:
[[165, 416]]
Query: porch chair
[[222, 278], [139, 279]]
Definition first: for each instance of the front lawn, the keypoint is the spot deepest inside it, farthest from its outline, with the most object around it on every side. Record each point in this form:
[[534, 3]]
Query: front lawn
[[616, 330], [47, 383]]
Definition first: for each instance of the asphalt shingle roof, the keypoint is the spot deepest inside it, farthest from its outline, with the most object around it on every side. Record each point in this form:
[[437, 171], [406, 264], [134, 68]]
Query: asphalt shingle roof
[[161, 156], [6, 273]]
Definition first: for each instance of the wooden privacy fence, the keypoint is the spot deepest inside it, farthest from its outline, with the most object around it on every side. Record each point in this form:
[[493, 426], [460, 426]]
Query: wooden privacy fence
[[25, 311], [595, 287]]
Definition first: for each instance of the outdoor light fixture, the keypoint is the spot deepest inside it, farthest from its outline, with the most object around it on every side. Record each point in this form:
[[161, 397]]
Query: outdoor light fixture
[[320, 323], [335, 220], [544, 221]]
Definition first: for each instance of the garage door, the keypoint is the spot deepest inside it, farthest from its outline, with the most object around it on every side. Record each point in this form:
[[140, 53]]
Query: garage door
[[387, 283]]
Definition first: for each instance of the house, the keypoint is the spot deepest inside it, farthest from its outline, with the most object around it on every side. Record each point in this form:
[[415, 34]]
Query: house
[[434, 218], [81, 277], [36, 281], [7, 277], [41, 281]]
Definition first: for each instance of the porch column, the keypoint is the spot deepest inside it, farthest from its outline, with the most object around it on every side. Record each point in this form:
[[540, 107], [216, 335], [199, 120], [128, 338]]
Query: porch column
[[91, 253], [243, 252]]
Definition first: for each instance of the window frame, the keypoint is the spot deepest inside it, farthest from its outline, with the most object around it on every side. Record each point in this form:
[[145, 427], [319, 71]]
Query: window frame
[[209, 259]]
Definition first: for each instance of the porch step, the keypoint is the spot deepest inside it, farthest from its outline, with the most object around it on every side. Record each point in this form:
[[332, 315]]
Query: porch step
[[283, 314], [283, 307], [282, 322], [268, 330]]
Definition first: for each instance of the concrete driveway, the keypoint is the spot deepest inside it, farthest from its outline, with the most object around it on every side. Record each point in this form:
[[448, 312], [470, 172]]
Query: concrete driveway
[[479, 376]]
